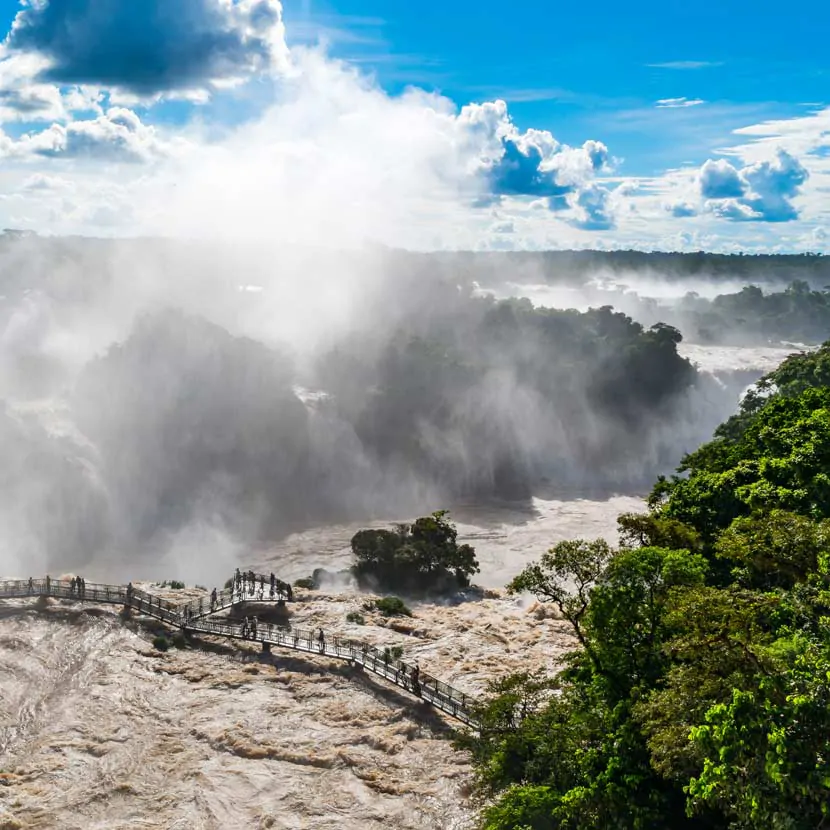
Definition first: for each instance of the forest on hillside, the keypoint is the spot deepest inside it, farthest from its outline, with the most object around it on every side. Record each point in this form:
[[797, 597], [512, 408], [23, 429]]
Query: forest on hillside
[[700, 694]]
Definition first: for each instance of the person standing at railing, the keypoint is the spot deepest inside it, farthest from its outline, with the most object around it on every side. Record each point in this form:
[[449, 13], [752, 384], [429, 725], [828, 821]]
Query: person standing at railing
[[415, 678], [48, 584], [245, 628], [253, 628], [321, 641], [213, 599], [129, 593], [31, 585]]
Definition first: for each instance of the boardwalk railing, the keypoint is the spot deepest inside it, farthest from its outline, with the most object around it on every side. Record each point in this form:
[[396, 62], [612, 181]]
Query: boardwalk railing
[[194, 616], [228, 597]]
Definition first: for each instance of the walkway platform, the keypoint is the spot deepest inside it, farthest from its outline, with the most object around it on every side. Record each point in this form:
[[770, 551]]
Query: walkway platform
[[195, 616]]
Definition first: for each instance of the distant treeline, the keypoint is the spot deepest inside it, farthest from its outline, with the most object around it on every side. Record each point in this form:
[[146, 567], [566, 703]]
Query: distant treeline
[[42, 254], [749, 317], [569, 267]]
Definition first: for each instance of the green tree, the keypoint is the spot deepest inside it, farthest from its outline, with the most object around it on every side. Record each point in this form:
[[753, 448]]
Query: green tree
[[424, 556], [580, 760]]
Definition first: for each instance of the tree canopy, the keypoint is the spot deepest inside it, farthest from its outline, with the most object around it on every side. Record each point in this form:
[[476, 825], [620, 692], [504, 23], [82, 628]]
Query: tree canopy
[[699, 695], [422, 557]]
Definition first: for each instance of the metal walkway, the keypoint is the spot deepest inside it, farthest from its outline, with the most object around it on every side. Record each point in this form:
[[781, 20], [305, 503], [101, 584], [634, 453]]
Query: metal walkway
[[194, 616]]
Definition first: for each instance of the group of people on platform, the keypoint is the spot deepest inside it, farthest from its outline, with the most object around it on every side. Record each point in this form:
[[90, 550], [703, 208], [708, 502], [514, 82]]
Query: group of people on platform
[[246, 583], [78, 586]]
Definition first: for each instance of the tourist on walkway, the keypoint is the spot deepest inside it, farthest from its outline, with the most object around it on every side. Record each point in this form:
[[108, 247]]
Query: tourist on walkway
[[321, 640]]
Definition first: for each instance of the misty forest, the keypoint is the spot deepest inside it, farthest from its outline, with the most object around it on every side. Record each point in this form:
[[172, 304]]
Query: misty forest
[[697, 691], [435, 391]]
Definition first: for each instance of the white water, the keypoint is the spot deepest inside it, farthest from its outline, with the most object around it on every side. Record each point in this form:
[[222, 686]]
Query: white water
[[98, 730]]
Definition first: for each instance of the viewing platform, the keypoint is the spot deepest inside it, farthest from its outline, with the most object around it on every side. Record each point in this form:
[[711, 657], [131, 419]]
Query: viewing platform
[[195, 616]]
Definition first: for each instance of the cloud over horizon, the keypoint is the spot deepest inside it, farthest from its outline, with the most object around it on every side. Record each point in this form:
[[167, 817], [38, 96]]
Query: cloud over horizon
[[82, 92], [152, 46]]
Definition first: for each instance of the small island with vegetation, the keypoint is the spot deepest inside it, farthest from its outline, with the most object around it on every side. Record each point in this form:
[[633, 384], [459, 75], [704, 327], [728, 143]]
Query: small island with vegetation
[[420, 558]]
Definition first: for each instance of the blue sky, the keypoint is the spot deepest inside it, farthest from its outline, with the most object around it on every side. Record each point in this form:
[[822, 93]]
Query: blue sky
[[670, 125], [580, 70]]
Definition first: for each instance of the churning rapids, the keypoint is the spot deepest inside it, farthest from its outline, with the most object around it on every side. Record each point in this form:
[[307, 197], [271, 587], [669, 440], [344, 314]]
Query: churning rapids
[[99, 730]]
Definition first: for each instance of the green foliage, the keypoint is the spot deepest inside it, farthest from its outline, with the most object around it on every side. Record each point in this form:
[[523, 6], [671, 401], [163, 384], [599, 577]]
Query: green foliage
[[779, 461], [160, 643], [777, 549], [765, 750], [391, 607], [699, 695], [392, 653], [356, 617], [418, 558], [641, 530], [576, 563], [177, 586], [179, 640], [305, 582]]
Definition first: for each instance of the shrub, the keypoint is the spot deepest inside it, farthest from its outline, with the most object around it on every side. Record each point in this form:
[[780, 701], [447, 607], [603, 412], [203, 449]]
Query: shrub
[[160, 643], [306, 582], [176, 586], [201, 588], [392, 607], [392, 653], [355, 617], [179, 640], [229, 584]]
